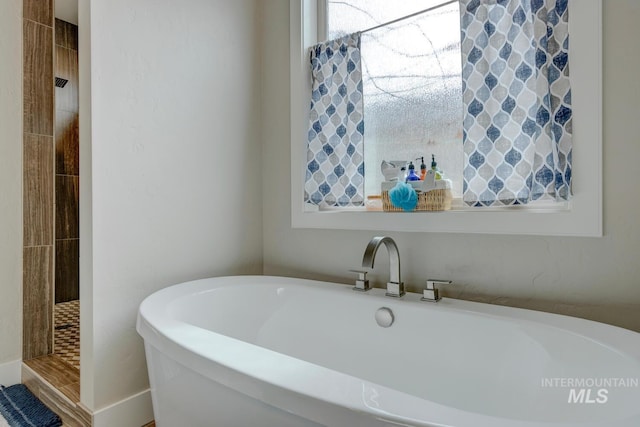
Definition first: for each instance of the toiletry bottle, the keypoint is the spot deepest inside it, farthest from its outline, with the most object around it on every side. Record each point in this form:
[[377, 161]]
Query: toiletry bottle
[[402, 176], [412, 176], [423, 169], [434, 167]]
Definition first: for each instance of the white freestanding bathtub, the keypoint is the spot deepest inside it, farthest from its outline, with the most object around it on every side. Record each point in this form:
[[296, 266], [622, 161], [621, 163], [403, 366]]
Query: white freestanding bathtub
[[281, 352]]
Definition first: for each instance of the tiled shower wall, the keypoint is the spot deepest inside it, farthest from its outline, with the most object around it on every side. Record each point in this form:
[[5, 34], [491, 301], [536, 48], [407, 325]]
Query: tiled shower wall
[[50, 171], [67, 165], [38, 178]]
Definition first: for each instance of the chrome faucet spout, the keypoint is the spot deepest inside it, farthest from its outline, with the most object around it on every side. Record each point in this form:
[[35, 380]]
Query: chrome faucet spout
[[395, 287]]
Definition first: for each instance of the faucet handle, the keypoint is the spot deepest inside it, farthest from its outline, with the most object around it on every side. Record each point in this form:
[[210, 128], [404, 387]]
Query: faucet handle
[[431, 293], [362, 283]]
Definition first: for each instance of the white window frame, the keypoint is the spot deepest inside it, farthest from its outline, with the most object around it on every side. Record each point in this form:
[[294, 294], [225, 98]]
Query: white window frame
[[582, 216]]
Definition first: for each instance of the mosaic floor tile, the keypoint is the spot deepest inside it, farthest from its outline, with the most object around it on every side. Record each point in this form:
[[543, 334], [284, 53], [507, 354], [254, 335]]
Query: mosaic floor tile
[[67, 332]]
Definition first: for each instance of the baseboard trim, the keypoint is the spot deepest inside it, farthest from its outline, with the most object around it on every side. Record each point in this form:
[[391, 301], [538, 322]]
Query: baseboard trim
[[10, 372], [134, 411]]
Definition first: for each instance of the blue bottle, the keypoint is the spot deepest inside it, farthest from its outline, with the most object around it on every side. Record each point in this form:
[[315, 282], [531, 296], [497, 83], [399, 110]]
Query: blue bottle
[[412, 176]]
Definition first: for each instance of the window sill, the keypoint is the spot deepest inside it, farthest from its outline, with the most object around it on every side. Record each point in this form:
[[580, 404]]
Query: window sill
[[456, 206], [561, 220]]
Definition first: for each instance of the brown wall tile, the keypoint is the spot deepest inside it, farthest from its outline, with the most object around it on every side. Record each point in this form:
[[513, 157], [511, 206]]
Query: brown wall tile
[[38, 79], [67, 208], [67, 270], [66, 34], [38, 190], [39, 10], [37, 338], [38, 178], [67, 68], [67, 143], [67, 163]]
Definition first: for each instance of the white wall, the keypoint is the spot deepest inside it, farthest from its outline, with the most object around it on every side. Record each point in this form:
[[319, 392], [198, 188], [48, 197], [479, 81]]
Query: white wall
[[10, 185], [175, 173], [586, 277], [67, 10]]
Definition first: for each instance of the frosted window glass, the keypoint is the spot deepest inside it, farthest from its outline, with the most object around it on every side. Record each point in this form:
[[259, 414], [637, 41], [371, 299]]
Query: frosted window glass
[[412, 84], [346, 17]]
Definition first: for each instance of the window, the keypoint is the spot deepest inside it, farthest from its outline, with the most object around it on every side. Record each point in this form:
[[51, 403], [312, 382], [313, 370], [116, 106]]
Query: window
[[412, 82], [581, 217]]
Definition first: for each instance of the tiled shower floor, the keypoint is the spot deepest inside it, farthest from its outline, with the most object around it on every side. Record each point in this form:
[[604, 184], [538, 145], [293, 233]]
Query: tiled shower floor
[[67, 332]]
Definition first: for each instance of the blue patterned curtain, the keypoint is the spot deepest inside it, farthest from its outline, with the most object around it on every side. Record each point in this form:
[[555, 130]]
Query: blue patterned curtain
[[335, 155], [517, 101]]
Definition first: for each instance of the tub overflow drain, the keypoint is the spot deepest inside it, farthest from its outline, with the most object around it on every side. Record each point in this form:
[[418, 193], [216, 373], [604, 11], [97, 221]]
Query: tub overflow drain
[[384, 317]]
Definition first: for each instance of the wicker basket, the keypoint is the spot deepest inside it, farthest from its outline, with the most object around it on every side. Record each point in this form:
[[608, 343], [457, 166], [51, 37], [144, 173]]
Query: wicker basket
[[434, 200]]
